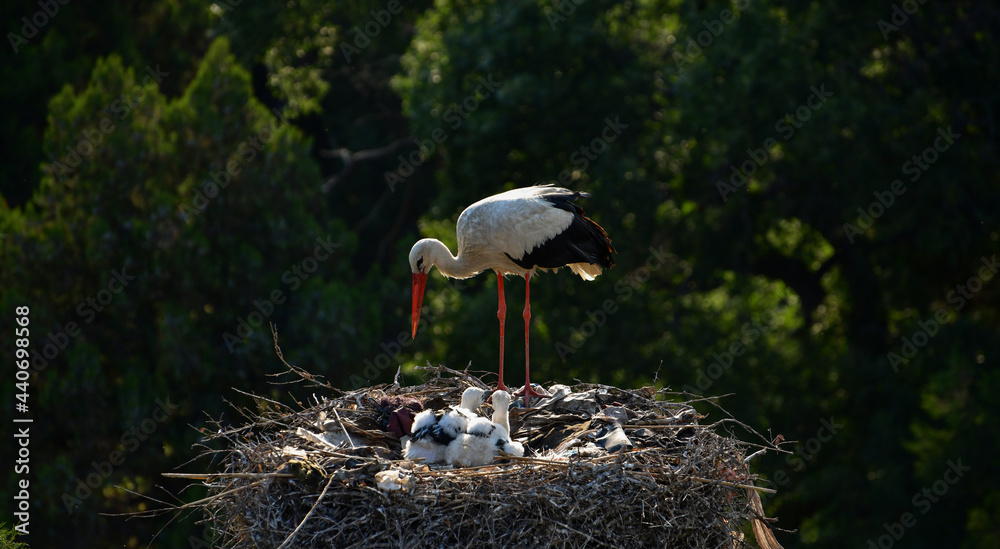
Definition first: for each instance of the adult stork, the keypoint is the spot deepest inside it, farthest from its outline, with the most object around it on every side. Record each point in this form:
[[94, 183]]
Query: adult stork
[[516, 232]]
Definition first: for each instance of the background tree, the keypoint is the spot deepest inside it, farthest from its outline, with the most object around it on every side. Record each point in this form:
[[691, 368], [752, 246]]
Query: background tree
[[170, 261]]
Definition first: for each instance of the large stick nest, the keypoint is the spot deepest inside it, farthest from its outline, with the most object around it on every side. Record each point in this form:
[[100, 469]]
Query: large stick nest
[[311, 478]]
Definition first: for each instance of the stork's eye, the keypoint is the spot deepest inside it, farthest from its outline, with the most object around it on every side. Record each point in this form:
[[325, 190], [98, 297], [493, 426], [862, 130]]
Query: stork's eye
[[420, 263]]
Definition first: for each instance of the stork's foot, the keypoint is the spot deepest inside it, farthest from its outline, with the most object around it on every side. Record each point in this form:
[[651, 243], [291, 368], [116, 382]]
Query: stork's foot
[[528, 391]]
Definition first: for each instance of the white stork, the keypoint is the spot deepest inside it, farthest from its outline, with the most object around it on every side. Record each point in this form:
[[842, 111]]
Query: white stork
[[516, 232]]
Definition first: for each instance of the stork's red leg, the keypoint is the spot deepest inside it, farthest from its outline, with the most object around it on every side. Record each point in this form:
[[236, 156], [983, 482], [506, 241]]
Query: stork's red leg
[[502, 316], [527, 322], [527, 391]]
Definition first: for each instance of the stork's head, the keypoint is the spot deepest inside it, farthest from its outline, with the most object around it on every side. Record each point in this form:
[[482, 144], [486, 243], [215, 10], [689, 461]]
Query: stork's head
[[473, 398], [420, 264], [501, 400]]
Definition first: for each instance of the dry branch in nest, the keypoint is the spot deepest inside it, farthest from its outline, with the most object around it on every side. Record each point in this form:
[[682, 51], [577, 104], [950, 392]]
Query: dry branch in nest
[[332, 475]]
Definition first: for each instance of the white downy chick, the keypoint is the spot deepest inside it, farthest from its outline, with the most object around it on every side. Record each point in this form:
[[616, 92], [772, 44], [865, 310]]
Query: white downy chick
[[434, 430], [501, 407], [483, 438]]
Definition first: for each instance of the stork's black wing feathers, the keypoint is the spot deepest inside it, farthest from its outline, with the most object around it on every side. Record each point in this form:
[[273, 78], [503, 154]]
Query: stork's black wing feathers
[[441, 436], [584, 241], [434, 431]]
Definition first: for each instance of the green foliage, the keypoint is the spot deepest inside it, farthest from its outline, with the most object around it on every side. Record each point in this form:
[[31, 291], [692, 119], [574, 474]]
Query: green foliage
[[67, 47], [8, 538], [195, 259]]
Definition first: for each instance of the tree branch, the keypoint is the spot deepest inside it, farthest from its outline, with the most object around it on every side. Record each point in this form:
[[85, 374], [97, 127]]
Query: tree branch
[[351, 158]]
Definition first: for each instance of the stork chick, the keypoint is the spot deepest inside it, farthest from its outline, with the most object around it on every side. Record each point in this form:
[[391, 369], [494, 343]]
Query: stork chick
[[484, 438], [501, 407], [434, 430]]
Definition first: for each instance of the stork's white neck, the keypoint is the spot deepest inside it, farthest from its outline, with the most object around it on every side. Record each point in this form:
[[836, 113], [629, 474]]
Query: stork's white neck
[[435, 252], [500, 409]]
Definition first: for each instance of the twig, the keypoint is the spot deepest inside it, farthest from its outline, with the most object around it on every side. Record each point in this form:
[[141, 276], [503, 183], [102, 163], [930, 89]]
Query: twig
[[755, 454], [209, 499], [291, 537], [346, 434], [302, 373], [461, 374], [584, 534], [208, 476], [659, 426], [732, 484]]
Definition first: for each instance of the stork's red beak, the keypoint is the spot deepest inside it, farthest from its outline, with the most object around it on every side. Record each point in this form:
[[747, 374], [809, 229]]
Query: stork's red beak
[[419, 281]]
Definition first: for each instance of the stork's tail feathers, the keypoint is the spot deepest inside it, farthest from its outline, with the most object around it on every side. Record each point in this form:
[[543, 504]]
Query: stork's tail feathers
[[587, 271], [596, 245], [605, 249]]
